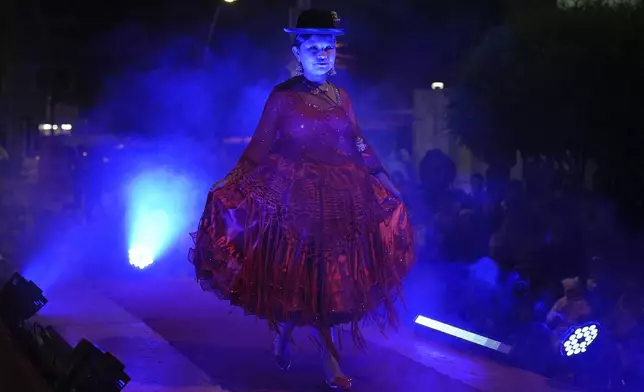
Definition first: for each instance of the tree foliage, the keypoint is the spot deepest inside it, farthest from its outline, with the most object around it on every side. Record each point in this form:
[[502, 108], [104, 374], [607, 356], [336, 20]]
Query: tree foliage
[[554, 81]]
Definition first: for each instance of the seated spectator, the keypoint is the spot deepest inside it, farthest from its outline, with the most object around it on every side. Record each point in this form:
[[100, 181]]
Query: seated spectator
[[625, 324], [570, 309]]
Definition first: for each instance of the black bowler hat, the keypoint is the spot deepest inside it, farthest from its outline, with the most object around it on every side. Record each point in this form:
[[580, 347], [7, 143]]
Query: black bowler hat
[[316, 22]]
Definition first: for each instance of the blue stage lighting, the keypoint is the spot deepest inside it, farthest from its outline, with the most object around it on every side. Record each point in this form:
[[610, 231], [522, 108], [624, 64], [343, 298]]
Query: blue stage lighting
[[160, 210], [578, 338], [141, 257]]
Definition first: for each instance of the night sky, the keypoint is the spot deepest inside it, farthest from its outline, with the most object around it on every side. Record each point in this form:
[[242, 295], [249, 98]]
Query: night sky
[[67, 37]]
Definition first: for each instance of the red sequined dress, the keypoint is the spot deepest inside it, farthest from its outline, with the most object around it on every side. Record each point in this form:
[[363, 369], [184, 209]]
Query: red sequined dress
[[301, 230]]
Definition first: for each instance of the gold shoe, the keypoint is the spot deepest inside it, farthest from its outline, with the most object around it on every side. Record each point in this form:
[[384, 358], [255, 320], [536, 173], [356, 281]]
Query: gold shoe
[[340, 382]]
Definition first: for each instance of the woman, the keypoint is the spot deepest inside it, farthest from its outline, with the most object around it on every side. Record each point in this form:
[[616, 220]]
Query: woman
[[307, 229]]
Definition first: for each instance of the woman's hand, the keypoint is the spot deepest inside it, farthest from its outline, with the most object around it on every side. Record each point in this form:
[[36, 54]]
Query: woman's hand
[[389, 186]]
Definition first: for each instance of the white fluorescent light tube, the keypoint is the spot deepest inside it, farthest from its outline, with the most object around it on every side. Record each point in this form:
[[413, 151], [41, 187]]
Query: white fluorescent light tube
[[463, 334]]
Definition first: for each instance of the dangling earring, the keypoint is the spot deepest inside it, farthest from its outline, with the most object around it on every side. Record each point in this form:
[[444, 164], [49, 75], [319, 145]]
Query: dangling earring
[[333, 71], [299, 70]]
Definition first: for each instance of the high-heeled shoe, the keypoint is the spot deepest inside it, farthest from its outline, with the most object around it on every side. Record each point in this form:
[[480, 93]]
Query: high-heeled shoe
[[333, 374], [281, 355], [340, 382]]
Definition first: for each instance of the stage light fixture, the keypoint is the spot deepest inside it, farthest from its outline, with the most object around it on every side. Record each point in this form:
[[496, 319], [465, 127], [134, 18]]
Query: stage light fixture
[[578, 338], [53, 352], [92, 370], [463, 334], [140, 257], [20, 299]]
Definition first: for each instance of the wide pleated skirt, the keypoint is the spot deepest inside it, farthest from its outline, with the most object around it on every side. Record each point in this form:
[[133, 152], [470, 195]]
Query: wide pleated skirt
[[305, 243]]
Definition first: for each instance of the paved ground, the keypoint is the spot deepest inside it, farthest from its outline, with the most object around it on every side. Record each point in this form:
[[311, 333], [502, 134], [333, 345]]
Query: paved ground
[[78, 311], [235, 350]]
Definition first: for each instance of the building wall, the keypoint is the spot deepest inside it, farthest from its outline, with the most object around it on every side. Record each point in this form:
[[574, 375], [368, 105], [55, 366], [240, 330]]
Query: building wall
[[431, 132]]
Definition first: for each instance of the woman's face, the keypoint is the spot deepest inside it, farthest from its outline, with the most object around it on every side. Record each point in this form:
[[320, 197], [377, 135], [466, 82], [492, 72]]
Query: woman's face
[[316, 54]]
